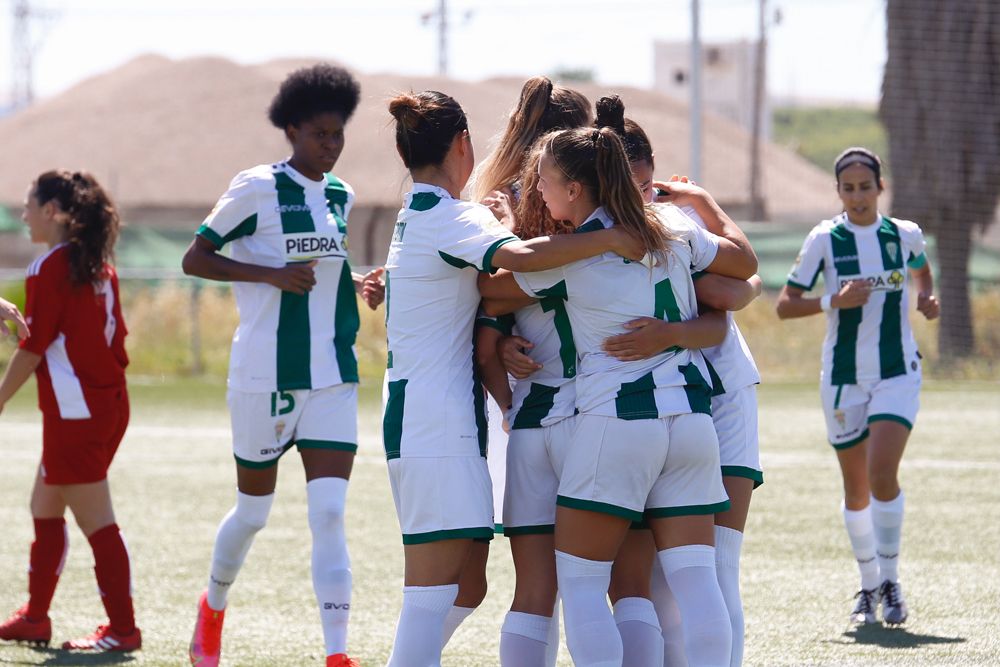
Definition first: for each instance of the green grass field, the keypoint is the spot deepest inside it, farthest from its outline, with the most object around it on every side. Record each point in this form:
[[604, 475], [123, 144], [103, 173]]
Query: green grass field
[[173, 480]]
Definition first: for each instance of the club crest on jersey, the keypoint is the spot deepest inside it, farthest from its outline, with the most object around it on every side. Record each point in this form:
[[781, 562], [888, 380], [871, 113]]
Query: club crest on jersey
[[312, 245], [892, 248]]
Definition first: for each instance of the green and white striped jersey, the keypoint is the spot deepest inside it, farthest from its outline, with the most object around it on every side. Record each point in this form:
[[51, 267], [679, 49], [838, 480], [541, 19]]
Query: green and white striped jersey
[[874, 341], [271, 216], [434, 404], [603, 293], [730, 363]]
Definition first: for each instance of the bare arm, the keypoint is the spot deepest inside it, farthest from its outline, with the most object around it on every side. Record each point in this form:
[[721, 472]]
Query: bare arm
[[927, 303], [650, 336], [492, 372], [499, 291], [722, 293], [549, 252], [20, 368], [793, 303], [202, 259]]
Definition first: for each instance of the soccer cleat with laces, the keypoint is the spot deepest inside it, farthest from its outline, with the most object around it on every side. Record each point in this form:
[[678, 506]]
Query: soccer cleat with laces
[[894, 610], [206, 643], [106, 639], [19, 628], [864, 608], [341, 660]]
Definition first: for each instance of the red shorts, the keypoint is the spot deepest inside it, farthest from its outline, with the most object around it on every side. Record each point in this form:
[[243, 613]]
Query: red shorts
[[79, 451]]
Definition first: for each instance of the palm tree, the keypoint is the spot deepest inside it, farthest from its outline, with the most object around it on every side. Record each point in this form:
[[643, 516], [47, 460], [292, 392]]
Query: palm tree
[[941, 107]]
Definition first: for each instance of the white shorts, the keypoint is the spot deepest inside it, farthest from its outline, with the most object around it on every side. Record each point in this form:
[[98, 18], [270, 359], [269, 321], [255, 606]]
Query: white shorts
[[496, 457], [266, 425], [535, 458], [442, 498], [735, 417], [660, 467], [850, 408]]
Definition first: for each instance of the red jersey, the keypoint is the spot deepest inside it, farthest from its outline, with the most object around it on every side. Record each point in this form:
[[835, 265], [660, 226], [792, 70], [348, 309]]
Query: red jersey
[[78, 331]]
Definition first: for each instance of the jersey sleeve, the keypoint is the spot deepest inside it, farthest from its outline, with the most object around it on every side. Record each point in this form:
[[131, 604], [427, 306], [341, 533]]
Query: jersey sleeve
[[502, 323], [704, 248], [538, 283], [914, 245], [235, 214], [46, 293], [472, 240], [809, 263]]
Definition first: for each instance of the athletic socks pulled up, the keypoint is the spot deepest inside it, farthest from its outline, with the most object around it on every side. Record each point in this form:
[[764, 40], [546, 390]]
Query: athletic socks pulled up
[[728, 543], [524, 640], [642, 639], [862, 535], [232, 542], [420, 630], [670, 620], [48, 555], [451, 622], [331, 563], [114, 577], [887, 521], [690, 573], [591, 632]]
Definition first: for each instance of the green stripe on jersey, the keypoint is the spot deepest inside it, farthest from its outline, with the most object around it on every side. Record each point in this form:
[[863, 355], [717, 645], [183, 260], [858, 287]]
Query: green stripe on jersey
[[589, 226], [336, 201], [245, 228], [845, 370], [346, 321], [536, 406], [665, 305], [423, 201], [392, 419], [554, 300], [699, 394], [890, 337], [718, 389], [293, 339], [845, 251], [479, 405], [637, 400], [889, 244], [455, 261]]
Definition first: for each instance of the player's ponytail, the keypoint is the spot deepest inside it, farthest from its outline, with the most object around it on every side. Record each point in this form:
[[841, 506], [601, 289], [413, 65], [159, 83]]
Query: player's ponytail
[[611, 113], [93, 221], [426, 124]]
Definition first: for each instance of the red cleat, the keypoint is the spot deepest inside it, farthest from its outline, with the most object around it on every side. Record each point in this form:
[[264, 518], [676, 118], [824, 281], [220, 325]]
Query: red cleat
[[106, 639], [19, 628], [341, 660], [206, 644]]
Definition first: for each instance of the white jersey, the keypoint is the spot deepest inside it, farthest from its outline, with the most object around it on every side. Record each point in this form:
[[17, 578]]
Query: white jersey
[[874, 341], [730, 363], [602, 293], [433, 401], [272, 215]]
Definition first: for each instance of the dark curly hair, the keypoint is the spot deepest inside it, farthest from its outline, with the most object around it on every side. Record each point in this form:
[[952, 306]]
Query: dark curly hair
[[310, 91], [94, 221]]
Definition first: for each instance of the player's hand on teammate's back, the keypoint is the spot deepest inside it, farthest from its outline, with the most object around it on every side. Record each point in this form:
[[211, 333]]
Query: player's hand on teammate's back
[[373, 287], [297, 278], [928, 305], [625, 244], [853, 294], [501, 203], [645, 339], [511, 350]]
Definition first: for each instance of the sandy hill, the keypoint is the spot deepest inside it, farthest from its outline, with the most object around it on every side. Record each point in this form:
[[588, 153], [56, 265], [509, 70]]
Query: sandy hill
[[165, 133]]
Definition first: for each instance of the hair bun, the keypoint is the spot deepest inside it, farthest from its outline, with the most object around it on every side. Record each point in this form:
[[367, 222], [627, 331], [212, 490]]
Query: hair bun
[[406, 108], [611, 113]]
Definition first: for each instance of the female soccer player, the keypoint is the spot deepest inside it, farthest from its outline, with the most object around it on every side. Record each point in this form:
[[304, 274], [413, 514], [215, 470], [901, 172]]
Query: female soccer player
[[76, 348], [433, 427], [643, 440], [870, 382], [734, 396], [293, 373]]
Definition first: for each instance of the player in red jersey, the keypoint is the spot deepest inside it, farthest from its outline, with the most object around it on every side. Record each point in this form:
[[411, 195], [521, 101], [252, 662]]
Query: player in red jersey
[[76, 348]]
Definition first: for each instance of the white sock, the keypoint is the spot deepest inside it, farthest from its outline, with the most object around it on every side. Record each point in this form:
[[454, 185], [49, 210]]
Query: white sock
[[642, 640], [524, 639], [862, 535], [670, 621], [232, 542], [690, 573], [421, 624], [591, 632], [554, 639], [454, 619], [331, 564], [727, 568], [887, 520]]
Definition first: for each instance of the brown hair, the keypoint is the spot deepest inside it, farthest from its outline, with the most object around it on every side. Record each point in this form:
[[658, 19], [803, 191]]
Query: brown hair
[[596, 159], [94, 221], [541, 108], [532, 217], [426, 124], [611, 113]]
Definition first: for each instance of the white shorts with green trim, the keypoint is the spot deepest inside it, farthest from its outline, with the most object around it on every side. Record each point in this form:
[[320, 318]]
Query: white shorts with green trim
[[535, 458], [735, 417], [660, 467], [265, 425], [442, 498], [496, 457], [850, 408]]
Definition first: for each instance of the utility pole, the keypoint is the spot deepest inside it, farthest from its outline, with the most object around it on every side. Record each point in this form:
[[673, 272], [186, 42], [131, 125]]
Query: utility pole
[[695, 170], [443, 38], [757, 210], [22, 92]]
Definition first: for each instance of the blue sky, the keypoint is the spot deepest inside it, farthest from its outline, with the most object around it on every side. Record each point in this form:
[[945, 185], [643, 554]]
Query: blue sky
[[821, 48]]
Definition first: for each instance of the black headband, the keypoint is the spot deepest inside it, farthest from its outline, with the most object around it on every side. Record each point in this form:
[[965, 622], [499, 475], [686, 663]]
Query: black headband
[[858, 158]]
